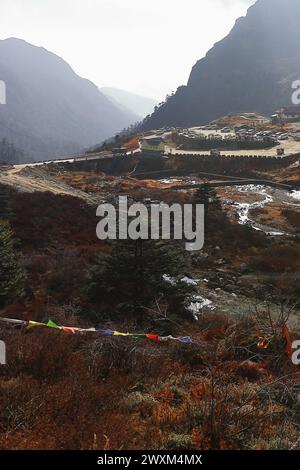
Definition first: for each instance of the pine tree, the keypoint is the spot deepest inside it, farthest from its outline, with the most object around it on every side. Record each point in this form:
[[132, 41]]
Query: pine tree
[[6, 212], [134, 272], [11, 274]]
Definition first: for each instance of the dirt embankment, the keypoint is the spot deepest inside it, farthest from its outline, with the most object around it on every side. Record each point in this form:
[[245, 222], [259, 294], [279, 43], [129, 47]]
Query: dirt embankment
[[30, 179]]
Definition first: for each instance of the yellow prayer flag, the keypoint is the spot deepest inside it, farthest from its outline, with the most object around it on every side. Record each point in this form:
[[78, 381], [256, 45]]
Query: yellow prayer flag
[[31, 324]]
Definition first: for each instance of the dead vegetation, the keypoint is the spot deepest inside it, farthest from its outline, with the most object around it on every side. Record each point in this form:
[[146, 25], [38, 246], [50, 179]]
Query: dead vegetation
[[76, 392]]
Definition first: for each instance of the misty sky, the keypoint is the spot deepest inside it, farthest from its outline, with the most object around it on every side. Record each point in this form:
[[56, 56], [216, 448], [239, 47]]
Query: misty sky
[[145, 46]]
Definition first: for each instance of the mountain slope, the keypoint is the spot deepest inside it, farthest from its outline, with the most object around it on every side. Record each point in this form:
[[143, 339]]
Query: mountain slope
[[50, 110], [252, 69], [141, 106]]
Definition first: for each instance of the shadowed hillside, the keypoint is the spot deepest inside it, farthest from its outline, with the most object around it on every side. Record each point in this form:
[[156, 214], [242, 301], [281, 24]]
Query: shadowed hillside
[[50, 110], [252, 69]]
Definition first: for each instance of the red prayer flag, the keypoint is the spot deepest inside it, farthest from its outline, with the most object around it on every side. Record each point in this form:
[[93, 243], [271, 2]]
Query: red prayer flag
[[286, 334], [153, 338], [67, 329]]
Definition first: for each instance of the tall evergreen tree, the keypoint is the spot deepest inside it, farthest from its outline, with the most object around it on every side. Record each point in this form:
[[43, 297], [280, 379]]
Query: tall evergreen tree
[[11, 274], [6, 211], [134, 272]]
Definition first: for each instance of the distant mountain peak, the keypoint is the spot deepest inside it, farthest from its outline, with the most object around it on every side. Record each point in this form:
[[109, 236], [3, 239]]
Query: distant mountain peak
[[140, 105], [251, 69], [50, 110]]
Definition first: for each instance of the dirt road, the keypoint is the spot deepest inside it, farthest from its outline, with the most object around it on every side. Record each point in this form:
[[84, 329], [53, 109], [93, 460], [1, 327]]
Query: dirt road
[[26, 178]]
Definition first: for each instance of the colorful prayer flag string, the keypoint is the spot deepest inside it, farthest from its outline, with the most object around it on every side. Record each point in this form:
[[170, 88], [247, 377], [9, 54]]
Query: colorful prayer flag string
[[107, 332]]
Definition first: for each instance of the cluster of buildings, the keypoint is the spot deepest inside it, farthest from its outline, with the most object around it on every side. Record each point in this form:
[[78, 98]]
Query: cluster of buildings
[[287, 114], [153, 145]]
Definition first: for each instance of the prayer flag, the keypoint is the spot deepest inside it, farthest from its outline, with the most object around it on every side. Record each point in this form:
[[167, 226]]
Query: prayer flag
[[51, 324]]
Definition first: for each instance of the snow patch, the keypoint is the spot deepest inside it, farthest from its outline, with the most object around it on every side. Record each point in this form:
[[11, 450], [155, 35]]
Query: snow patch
[[187, 280], [196, 304], [296, 195], [170, 180], [169, 279], [244, 208], [190, 281]]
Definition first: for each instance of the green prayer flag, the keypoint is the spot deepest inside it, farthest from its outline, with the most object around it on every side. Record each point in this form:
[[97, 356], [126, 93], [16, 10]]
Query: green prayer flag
[[51, 324]]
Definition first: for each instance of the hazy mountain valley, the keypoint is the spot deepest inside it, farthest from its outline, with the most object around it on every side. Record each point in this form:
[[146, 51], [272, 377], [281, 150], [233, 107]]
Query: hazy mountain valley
[[131, 343]]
